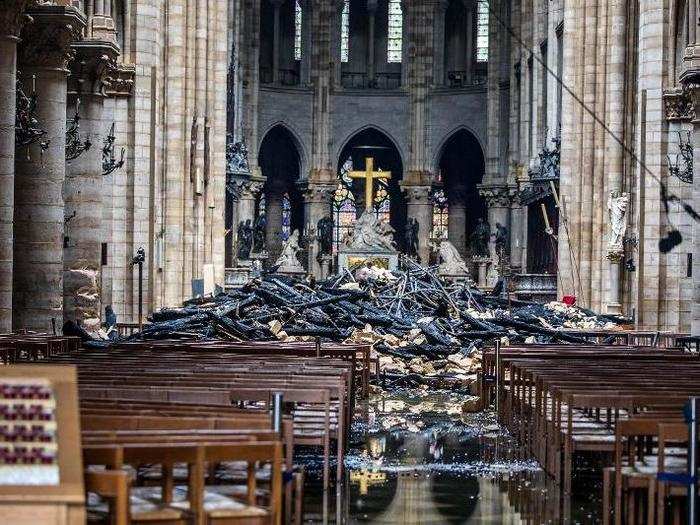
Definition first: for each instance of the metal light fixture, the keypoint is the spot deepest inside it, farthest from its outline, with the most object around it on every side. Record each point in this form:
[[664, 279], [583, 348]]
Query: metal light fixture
[[27, 128], [75, 147], [683, 165], [109, 162]]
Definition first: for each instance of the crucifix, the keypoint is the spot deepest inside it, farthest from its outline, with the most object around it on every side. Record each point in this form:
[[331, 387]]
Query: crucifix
[[369, 175]]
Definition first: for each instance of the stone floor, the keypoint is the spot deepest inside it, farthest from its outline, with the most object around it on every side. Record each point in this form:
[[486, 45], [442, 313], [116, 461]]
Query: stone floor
[[415, 459]]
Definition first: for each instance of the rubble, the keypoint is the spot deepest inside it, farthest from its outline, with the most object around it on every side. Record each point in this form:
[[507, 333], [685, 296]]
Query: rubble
[[427, 330]]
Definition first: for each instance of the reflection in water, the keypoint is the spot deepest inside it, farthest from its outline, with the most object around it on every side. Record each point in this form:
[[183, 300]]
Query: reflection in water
[[417, 460]]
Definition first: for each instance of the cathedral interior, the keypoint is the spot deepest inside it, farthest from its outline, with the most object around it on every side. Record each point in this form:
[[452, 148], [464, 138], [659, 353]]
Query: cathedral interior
[[152, 151]]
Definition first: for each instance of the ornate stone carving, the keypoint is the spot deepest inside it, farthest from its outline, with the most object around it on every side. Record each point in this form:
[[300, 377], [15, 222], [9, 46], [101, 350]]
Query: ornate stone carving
[[46, 42], [497, 195], [120, 80], [617, 212], [91, 66], [678, 105], [13, 17], [416, 194], [288, 261], [451, 262], [319, 193], [370, 235]]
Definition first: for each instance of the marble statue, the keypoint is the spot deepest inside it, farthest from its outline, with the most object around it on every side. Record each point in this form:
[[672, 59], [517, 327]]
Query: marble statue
[[370, 235], [259, 234], [324, 235], [617, 212], [451, 262], [245, 240], [288, 261], [479, 242]]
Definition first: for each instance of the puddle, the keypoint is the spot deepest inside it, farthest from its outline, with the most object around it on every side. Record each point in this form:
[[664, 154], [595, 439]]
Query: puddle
[[415, 458]]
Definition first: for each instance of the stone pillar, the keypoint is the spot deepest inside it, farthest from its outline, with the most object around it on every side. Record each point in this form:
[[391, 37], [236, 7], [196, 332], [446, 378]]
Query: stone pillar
[[11, 21], [276, 4], [336, 29], [317, 204], [457, 219], [100, 21], [439, 42], [405, 42], [83, 186], [469, 42], [694, 89], [39, 208], [371, 14], [245, 208], [420, 207], [273, 228]]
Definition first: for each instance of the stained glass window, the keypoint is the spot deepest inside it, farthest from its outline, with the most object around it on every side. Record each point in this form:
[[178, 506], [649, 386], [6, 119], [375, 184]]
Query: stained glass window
[[440, 215], [286, 217], [297, 30], [395, 31], [482, 31], [382, 201], [345, 32], [344, 209]]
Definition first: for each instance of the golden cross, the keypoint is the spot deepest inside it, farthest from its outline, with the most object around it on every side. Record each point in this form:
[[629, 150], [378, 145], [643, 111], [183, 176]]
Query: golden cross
[[369, 175]]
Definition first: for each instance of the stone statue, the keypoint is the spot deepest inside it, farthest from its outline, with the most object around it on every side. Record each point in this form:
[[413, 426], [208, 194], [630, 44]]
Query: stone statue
[[451, 262], [411, 236], [288, 261], [324, 235], [501, 239], [480, 239], [370, 235], [259, 234], [617, 212], [245, 240]]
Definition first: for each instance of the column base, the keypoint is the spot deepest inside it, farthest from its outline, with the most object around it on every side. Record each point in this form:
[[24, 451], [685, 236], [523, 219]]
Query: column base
[[613, 309]]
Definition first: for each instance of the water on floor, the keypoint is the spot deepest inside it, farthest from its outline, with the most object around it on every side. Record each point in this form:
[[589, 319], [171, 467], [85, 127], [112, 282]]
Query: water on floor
[[415, 458]]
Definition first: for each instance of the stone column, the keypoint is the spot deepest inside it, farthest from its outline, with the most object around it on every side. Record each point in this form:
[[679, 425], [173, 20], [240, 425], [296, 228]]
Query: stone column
[[457, 219], [317, 204], [336, 29], [419, 206], [439, 42], [245, 208], [276, 4], [39, 208], [83, 186], [11, 21], [273, 228], [371, 13], [405, 43], [469, 42], [693, 86]]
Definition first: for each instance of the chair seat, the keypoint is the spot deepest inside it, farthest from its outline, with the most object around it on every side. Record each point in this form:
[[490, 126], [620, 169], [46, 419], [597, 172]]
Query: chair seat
[[217, 504], [141, 507]]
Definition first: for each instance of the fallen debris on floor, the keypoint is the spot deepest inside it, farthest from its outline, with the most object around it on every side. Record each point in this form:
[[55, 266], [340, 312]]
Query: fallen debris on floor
[[428, 331]]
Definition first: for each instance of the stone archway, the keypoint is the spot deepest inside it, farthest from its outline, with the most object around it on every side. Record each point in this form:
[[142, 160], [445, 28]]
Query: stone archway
[[281, 200], [460, 170]]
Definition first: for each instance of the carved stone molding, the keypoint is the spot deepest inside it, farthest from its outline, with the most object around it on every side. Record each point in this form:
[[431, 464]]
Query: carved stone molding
[[13, 17], [416, 194], [678, 105], [497, 195], [46, 41], [317, 193], [120, 80], [91, 66]]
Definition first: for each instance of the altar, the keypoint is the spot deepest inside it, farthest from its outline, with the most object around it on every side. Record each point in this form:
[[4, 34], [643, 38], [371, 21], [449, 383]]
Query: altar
[[371, 240]]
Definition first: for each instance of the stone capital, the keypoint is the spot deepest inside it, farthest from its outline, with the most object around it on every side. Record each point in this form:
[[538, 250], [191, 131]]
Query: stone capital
[[90, 68], [497, 195], [12, 17], [678, 105], [416, 194], [693, 92], [46, 41], [120, 80], [317, 193]]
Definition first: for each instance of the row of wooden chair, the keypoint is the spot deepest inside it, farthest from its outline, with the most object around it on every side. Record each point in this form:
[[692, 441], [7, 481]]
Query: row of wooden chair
[[563, 401], [33, 346]]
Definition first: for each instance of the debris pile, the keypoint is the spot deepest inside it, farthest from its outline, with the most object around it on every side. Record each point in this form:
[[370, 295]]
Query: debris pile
[[422, 325]]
